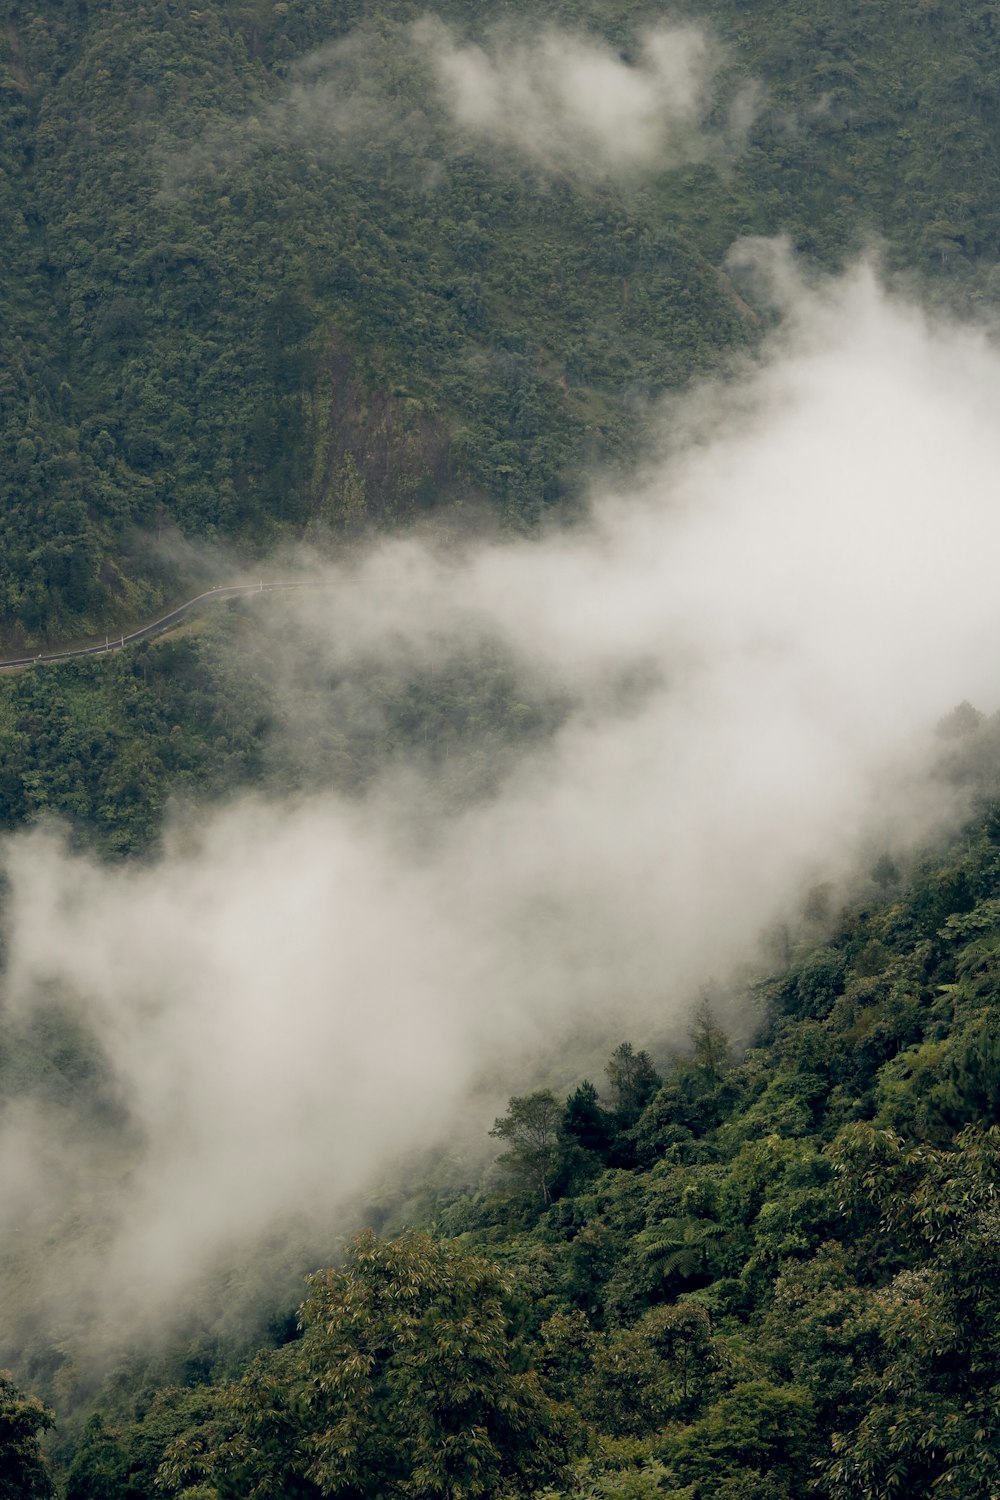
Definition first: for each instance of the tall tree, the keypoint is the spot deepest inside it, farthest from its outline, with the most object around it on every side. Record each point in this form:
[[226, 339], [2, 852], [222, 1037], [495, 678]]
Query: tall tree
[[585, 1122], [531, 1128], [633, 1081]]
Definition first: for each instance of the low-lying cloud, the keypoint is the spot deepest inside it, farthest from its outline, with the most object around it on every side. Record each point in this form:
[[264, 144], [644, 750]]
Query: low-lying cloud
[[562, 100], [753, 641], [570, 101]]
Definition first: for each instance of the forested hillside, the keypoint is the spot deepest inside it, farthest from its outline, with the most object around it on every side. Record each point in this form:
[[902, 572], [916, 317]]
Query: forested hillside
[[259, 284], [293, 899], [766, 1273]]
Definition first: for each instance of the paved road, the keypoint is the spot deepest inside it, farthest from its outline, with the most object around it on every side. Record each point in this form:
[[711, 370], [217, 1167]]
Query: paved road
[[155, 627]]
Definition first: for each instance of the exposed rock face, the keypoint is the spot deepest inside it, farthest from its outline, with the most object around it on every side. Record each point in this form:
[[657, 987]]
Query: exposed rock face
[[378, 457]]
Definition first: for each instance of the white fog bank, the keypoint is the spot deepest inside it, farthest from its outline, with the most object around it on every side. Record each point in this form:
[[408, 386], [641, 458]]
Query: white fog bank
[[572, 102], [802, 585]]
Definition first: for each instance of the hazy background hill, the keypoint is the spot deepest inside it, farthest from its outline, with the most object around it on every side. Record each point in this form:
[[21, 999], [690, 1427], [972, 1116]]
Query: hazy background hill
[[265, 276]]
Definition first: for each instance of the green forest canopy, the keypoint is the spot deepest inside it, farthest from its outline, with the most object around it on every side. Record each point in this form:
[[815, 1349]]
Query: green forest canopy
[[766, 1273], [750, 1275], [223, 320]]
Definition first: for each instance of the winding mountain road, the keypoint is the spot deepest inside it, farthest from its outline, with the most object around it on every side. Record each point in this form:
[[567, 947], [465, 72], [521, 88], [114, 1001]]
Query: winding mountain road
[[155, 627]]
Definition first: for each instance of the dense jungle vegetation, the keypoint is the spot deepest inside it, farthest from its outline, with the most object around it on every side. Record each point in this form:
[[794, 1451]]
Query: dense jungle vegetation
[[758, 1274], [228, 314], [228, 319]]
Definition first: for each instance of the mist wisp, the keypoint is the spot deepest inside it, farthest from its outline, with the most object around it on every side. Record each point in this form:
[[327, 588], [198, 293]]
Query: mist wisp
[[572, 102], [564, 100], [752, 642]]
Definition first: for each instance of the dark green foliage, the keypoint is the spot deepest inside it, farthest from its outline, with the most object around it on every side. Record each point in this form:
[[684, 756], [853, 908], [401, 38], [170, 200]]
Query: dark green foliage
[[407, 1382], [798, 1280], [588, 1138], [225, 313], [121, 1462], [633, 1080], [318, 320], [933, 1328], [586, 1122], [530, 1128], [99, 1469], [247, 296], [752, 1442], [699, 1092], [643, 1376], [261, 330], [24, 1474], [108, 744]]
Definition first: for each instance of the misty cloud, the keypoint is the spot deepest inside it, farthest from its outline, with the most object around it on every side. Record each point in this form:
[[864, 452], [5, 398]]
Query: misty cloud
[[570, 101], [563, 100], [752, 642]]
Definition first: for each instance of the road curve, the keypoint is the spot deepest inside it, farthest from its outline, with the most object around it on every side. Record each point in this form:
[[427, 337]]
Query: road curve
[[155, 627]]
